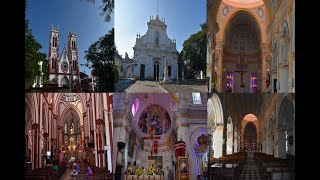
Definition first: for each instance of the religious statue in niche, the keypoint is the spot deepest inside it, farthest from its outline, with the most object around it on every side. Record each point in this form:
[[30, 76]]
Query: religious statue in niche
[[268, 79], [154, 117], [242, 58], [72, 129]]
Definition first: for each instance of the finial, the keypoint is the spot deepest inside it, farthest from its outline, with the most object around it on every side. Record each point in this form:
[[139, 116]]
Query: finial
[[137, 35], [157, 9], [51, 26], [58, 27]]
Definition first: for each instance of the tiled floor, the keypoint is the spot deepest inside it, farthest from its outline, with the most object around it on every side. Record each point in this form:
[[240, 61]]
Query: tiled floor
[[66, 175], [250, 169]]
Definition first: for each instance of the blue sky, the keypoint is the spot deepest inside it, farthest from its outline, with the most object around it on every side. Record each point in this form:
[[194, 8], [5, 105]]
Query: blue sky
[[183, 18], [81, 17]]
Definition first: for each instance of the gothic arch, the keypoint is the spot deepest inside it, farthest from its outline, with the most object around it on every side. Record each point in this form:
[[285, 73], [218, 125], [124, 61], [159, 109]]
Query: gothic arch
[[65, 113], [64, 81], [285, 113], [257, 126]]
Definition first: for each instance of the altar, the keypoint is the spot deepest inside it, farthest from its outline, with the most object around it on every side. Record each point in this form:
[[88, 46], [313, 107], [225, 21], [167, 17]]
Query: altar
[[143, 177]]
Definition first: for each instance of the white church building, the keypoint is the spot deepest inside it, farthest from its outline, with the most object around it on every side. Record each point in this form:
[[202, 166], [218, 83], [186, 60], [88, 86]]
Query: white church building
[[155, 54]]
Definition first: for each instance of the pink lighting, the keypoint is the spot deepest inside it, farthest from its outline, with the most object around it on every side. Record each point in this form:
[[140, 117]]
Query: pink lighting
[[244, 3]]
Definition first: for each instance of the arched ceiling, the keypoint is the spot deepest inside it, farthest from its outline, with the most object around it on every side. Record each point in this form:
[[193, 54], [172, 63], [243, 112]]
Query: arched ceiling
[[244, 3], [242, 32], [239, 105]]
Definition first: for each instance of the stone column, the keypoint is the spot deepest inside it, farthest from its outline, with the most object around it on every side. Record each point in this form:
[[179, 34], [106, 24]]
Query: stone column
[[219, 64], [107, 116], [281, 144], [35, 146], [94, 106], [209, 66], [218, 141], [270, 144], [290, 54], [235, 141]]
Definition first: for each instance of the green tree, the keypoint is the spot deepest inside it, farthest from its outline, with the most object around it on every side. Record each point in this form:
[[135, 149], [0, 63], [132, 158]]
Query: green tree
[[32, 54], [100, 55], [107, 8], [194, 51], [116, 72]]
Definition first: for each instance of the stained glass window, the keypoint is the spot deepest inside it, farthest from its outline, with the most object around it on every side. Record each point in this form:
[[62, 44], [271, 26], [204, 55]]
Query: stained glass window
[[229, 82], [254, 83]]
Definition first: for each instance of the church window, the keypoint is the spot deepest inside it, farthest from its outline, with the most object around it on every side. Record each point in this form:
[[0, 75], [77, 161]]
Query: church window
[[229, 81], [135, 106], [287, 141], [65, 128], [196, 98], [254, 82], [157, 38]]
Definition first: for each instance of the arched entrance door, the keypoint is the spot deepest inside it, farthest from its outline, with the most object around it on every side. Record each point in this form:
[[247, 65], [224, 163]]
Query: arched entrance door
[[64, 81], [156, 70]]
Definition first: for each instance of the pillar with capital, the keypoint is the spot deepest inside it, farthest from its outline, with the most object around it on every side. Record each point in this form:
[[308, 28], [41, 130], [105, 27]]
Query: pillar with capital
[[290, 55], [35, 146], [218, 63], [265, 56]]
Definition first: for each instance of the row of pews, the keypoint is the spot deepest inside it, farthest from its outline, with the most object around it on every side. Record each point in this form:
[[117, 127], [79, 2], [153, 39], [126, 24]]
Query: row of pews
[[98, 173], [227, 167], [275, 168], [44, 173]]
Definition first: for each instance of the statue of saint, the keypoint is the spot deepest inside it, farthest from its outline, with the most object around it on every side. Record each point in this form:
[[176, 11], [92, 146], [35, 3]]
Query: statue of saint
[[242, 58], [71, 129]]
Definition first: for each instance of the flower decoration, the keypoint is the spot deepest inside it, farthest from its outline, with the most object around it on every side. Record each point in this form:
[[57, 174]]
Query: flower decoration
[[150, 171], [139, 171]]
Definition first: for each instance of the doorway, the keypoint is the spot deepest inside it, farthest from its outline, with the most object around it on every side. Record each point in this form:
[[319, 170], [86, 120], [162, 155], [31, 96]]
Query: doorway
[[142, 70]]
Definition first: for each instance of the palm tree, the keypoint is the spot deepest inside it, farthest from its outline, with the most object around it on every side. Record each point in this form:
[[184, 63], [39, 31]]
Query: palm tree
[[107, 8]]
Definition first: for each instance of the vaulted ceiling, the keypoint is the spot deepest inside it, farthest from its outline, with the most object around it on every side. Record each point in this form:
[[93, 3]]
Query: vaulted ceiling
[[237, 106]]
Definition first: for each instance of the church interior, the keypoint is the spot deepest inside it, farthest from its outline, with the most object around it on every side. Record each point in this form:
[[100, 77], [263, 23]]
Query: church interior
[[252, 135], [251, 46], [62, 129], [160, 135]]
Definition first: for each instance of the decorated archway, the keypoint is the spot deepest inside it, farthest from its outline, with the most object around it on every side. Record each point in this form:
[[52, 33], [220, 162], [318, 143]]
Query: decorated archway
[[215, 124], [250, 132]]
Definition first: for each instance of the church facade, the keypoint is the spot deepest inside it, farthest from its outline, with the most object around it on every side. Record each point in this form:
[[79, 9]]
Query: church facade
[[163, 132], [63, 69], [251, 46], [155, 54]]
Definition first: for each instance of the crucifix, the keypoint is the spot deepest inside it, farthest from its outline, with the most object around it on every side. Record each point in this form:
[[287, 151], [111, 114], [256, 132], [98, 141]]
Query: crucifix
[[241, 74], [152, 138]]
